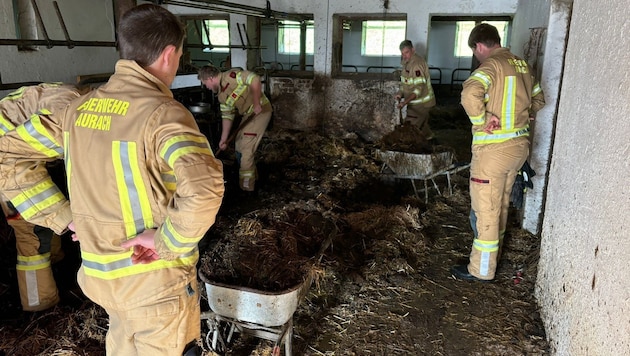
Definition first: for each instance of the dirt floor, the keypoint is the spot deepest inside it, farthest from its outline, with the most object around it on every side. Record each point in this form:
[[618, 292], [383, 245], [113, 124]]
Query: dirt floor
[[377, 257]]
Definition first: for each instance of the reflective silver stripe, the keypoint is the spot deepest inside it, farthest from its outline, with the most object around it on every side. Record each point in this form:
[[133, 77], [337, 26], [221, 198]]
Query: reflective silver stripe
[[107, 267], [174, 241], [482, 137], [36, 199], [43, 140], [182, 144], [132, 189], [120, 264], [42, 262], [4, 128]]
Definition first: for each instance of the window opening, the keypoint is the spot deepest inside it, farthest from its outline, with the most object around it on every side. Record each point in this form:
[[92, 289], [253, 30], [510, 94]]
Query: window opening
[[462, 32], [289, 37], [216, 33], [382, 38]]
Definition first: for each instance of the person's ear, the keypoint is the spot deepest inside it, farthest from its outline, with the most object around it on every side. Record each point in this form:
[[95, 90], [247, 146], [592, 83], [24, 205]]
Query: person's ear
[[169, 55]]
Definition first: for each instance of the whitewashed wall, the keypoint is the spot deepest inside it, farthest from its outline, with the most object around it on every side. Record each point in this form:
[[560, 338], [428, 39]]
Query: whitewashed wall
[[585, 249], [86, 20]]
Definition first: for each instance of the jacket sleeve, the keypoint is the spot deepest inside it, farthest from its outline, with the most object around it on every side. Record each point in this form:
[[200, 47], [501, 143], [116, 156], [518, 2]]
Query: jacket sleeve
[[24, 179], [538, 99], [199, 184], [474, 91]]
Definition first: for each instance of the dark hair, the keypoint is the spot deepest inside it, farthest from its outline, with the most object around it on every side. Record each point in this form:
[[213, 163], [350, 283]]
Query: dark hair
[[484, 33], [405, 44], [207, 72], [145, 30]]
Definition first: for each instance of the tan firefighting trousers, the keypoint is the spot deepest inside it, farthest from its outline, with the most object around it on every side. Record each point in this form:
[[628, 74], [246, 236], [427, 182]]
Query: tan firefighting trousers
[[162, 326], [37, 248], [492, 172], [418, 116], [246, 144]]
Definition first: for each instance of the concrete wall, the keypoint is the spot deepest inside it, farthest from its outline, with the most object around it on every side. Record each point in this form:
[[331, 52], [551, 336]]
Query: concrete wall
[[585, 249], [86, 20]]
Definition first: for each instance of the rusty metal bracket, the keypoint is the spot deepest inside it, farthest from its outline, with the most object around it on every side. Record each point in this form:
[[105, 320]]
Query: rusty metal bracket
[[63, 25]]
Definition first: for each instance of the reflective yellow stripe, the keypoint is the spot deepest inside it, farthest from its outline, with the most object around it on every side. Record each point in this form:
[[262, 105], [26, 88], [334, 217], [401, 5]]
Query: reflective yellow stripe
[[33, 263], [486, 246], [15, 95], [536, 89], [482, 78], [499, 135], [68, 161], [413, 80], [227, 112], [238, 92], [5, 126], [169, 180], [178, 146], [34, 134], [247, 174], [263, 101], [478, 120], [114, 266], [508, 106], [132, 192], [248, 80], [175, 241], [37, 198]]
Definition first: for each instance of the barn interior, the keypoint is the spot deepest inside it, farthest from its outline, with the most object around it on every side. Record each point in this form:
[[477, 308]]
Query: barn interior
[[366, 250]]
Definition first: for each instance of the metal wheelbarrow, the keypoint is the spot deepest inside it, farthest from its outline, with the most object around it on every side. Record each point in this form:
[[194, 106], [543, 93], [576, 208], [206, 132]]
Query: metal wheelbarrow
[[425, 167], [266, 315]]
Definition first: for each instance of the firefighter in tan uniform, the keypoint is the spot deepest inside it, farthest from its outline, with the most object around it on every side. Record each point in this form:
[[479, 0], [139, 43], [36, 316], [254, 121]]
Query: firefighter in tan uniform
[[415, 90], [500, 98], [37, 247], [240, 91], [138, 237]]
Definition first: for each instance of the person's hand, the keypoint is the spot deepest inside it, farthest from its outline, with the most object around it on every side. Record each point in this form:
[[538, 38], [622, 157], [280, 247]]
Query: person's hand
[[493, 124], [74, 234], [222, 145], [143, 247], [257, 109], [397, 97], [401, 104]]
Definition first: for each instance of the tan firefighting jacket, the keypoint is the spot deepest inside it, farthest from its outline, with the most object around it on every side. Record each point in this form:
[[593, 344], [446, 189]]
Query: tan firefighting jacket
[[415, 78], [235, 95], [29, 101], [119, 142], [20, 105], [503, 86]]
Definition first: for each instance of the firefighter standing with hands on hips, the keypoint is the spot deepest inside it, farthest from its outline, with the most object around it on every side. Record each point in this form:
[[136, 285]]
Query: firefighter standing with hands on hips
[[144, 184], [500, 98], [415, 90], [240, 91], [37, 247]]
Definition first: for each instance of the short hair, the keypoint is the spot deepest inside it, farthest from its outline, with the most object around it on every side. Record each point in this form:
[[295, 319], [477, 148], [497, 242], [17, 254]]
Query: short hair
[[484, 33], [207, 72], [405, 44], [145, 31]]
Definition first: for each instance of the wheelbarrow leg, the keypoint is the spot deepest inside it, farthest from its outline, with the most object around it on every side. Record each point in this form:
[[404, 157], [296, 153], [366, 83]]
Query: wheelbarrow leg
[[288, 340]]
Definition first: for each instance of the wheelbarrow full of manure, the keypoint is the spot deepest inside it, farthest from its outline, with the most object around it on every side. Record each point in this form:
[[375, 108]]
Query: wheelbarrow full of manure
[[425, 167], [266, 315]]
